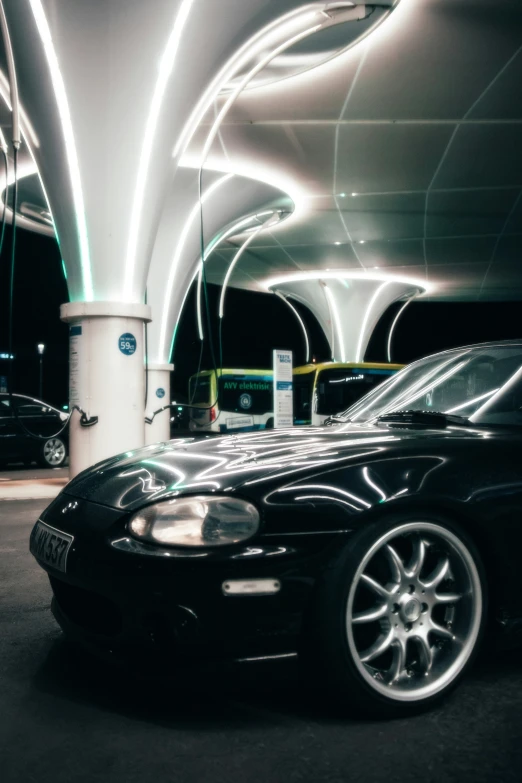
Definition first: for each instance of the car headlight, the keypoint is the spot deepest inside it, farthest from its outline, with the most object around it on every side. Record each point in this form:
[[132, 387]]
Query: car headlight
[[196, 521]]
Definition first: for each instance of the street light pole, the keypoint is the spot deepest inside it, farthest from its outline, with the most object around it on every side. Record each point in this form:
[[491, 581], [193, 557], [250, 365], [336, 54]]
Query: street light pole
[[41, 349]]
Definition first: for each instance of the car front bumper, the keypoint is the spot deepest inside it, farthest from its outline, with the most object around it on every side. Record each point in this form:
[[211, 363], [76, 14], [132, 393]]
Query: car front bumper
[[131, 602]]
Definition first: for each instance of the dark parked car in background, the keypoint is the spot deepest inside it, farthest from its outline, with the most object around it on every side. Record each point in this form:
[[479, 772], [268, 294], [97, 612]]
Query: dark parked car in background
[[368, 547], [16, 445]]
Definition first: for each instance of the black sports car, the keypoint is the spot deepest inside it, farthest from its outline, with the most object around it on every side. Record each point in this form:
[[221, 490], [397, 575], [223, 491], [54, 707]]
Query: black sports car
[[368, 546], [31, 416]]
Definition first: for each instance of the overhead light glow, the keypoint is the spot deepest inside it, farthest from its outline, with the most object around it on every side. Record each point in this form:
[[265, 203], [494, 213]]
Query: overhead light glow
[[165, 70], [349, 274], [337, 243], [70, 144]]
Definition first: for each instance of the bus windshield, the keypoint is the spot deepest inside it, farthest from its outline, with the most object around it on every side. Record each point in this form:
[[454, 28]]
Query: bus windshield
[[337, 389]]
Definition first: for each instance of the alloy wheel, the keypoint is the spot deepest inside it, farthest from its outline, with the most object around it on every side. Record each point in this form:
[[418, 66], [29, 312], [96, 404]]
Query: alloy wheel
[[54, 452], [414, 611]]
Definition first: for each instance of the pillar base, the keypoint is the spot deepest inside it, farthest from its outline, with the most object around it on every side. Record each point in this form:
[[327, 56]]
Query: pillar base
[[106, 378], [158, 395]]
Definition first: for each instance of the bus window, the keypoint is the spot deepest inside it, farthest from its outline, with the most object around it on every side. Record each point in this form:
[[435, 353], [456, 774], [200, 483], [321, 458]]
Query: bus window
[[199, 390], [338, 389]]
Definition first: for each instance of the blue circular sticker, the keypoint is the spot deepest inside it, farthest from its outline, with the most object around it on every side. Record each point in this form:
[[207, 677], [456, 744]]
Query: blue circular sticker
[[127, 344], [245, 401], [160, 393]]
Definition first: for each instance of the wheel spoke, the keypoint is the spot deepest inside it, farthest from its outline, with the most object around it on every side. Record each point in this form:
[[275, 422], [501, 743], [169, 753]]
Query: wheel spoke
[[396, 564], [418, 557], [441, 631], [425, 653], [380, 646], [370, 615], [437, 576], [375, 586], [398, 661], [447, 598]]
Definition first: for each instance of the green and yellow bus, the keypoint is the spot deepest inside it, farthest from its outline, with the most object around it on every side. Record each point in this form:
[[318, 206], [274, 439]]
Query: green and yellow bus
[[322, 390], [245, 400]]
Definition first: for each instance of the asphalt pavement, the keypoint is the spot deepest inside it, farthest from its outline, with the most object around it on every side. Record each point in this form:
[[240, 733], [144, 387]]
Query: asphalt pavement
[[67, 718]]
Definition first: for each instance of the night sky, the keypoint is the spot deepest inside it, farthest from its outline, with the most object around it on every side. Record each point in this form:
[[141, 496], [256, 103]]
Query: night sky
[[255, 324]]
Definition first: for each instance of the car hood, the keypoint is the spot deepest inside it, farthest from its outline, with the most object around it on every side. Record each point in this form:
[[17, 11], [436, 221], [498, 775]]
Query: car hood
[[251, 463]]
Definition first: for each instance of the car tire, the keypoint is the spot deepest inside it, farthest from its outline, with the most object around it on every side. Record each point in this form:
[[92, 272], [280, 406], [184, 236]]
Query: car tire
[[53, 453], [399, 616]]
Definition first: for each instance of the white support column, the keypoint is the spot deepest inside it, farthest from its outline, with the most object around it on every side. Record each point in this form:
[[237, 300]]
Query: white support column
[[158, 395], [107, 379], [347, 305]]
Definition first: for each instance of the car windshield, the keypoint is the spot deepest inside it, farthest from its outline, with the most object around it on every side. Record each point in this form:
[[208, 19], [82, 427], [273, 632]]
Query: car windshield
[[482, 384]]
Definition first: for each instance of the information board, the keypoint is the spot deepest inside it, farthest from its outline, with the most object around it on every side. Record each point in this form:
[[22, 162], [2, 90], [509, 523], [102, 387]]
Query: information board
[[75, 346], [283, 394]]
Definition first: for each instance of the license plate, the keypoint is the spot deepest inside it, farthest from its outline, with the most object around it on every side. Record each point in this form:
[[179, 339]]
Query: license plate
[[243, 421], [50, 546]]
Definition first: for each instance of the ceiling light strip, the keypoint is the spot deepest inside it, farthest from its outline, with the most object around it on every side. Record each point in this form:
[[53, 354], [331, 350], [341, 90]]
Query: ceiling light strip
[[70, 145], [165, 71]]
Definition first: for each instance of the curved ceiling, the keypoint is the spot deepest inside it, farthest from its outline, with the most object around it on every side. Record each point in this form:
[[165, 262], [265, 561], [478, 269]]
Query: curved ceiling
[[401, 154], [406, 150]]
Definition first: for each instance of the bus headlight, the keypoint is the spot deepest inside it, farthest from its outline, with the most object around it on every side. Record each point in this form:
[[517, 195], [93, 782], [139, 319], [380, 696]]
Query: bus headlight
[[196, 521]]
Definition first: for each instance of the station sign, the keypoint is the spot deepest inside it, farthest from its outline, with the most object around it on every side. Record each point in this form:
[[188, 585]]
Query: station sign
[[283, 389]]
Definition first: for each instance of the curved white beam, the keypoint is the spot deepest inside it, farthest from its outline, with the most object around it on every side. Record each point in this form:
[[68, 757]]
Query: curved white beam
[[165, 70], [301, 322], [231, 267], [177, 256], [394, 323], [359, 352], [71, 152]]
